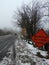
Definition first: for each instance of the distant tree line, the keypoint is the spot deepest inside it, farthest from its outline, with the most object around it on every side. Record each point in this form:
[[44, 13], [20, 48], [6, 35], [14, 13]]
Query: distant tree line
[[2, 32]]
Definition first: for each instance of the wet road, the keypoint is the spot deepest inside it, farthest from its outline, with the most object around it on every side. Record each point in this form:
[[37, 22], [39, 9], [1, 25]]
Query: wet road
[[5, 43]]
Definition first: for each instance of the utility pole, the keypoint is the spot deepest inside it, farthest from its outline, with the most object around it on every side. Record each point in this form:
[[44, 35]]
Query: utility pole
[[14, 55]]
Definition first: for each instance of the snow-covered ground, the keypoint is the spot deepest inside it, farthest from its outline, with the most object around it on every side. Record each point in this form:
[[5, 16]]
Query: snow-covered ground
[[26, 55], [35, 50], [5, 61]]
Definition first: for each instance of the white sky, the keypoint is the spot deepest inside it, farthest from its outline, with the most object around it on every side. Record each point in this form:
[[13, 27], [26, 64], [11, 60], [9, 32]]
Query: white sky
[[7, 8]]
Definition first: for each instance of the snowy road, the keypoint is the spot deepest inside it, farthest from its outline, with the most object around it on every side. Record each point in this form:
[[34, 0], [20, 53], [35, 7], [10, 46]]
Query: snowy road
[[5, 43]]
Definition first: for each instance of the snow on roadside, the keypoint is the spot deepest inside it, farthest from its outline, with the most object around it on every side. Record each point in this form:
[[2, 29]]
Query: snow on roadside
[[39, 61], [27, 53], [35, 50], [25, 63], [5, 61], [47, 61]]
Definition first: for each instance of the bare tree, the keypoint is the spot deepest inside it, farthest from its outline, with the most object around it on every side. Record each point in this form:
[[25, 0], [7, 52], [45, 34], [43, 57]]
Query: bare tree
[[28, 17]]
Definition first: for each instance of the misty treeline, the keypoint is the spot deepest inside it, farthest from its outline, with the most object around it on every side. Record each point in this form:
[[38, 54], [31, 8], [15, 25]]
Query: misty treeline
[[27, 18], [3, 32]]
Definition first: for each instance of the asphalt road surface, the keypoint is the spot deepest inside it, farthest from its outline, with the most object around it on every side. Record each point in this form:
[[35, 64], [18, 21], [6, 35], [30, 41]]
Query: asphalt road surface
[[5, 43]]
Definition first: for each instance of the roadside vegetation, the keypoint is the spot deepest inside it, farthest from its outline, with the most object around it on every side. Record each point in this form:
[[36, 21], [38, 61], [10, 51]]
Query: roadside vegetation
[[28, 17], [3, 32]]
